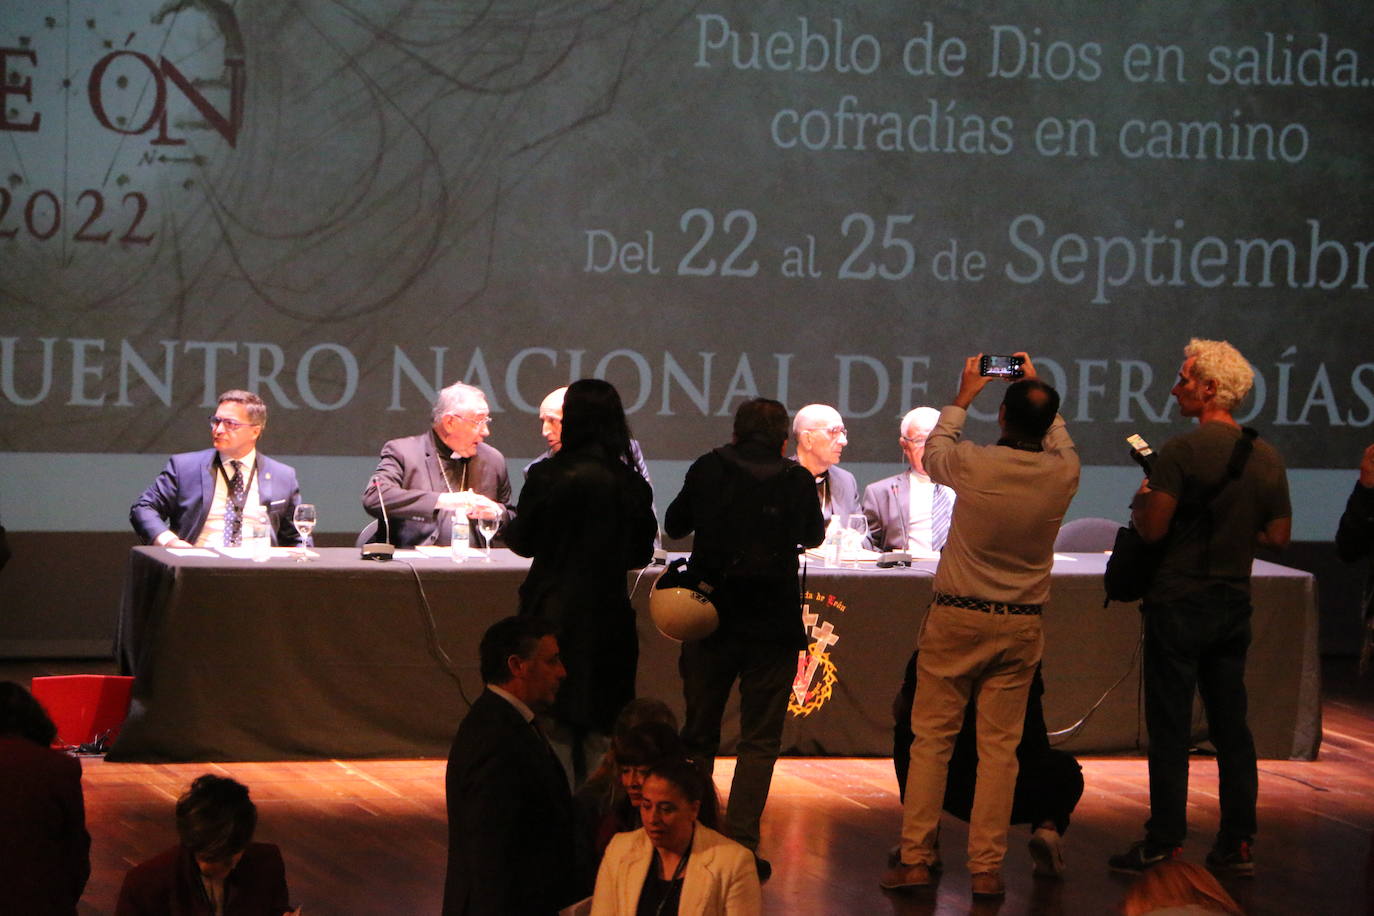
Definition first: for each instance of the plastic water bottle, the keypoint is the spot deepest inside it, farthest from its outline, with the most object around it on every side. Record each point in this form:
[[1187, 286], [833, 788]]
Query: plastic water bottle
[[257, 533], [458, 547]]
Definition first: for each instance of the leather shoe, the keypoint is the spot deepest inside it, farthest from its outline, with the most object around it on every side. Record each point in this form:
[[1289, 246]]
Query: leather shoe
[[902, 875], [987, 884], [1046, 852]]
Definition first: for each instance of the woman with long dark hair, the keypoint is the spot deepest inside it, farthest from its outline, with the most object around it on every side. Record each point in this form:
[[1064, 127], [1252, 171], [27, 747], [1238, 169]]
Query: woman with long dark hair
[[585, 517]]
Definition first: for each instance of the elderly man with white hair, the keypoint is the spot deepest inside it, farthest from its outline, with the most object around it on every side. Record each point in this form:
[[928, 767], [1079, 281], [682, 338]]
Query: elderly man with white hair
[[909, 511], [441, 477], [821, 438]]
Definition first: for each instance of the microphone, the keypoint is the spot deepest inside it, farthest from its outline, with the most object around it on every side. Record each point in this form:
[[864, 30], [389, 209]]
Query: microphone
[[1141, 453], [383, 550]]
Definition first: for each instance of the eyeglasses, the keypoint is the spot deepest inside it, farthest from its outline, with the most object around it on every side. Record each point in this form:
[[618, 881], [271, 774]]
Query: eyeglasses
[[914, 440], [228, 423], [475, 422], [833, 432]]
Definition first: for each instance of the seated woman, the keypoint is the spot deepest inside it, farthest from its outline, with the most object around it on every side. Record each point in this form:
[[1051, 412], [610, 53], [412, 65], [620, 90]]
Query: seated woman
[[44, 847], [674, 864], [216, 869]]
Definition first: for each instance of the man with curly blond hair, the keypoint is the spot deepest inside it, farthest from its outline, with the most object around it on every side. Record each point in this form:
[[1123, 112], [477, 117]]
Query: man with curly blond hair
[[1213, 495]]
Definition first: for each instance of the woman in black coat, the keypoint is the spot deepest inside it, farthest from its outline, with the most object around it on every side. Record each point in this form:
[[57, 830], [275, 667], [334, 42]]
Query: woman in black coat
[[586, 516]]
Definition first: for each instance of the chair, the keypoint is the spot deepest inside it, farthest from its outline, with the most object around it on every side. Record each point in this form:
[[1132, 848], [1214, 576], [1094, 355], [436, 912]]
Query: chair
[[1087, 535], [367, 535], [83, 706]]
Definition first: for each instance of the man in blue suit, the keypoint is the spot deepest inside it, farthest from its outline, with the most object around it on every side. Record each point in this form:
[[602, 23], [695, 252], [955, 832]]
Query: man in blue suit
[[201, 498]]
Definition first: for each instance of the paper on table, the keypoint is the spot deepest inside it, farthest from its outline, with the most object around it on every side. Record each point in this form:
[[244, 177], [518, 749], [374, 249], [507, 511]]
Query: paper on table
[[430, 551], [191, 552], [1058, 557], [252, 553]]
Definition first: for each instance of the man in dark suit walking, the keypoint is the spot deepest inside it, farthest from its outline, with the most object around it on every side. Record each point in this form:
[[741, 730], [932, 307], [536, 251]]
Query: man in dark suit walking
[[510, 813], [201, 498]]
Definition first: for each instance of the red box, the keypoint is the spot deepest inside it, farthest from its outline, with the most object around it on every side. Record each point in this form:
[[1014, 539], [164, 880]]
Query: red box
[[82, 706]]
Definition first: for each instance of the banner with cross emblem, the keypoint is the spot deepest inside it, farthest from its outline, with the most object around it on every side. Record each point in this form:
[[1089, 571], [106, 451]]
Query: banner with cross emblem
[[817, 674]]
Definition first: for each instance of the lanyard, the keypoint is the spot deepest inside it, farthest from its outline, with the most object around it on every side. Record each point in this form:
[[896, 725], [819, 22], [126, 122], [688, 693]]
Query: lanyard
[[238, 504]]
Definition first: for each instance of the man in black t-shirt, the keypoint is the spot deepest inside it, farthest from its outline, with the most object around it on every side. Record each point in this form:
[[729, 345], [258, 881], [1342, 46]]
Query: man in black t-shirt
[[1210, 517]]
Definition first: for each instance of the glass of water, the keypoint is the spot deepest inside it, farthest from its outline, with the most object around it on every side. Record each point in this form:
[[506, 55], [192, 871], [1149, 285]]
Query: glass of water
[[487, 527], [304, 520]]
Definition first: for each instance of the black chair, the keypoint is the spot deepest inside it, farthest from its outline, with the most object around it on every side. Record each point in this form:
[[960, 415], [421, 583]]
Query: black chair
[[367, 535]]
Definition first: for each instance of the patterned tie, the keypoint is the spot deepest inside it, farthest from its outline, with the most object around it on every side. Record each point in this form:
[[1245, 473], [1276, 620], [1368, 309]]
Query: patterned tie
[[940, 506], [233, 508]]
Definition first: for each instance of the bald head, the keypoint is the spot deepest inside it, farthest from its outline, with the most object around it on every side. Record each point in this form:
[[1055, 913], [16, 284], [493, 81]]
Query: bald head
[[916, 427], [821, 437], [551, 418]]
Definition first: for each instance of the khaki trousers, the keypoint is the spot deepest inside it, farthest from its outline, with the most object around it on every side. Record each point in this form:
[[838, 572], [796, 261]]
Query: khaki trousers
[[991, 658]]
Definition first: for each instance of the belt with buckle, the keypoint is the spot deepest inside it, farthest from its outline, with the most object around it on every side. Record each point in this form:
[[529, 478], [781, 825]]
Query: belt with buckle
[[987, 607]]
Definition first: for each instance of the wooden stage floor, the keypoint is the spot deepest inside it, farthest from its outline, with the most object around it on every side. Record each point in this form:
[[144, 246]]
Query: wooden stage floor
[[368, 837]]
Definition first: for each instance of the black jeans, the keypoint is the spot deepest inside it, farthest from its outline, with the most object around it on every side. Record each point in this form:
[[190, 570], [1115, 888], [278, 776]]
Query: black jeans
[[1198, 643], [709, 669]]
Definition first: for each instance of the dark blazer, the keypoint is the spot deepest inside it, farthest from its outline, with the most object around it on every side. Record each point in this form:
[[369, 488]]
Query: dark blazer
[[44, 847], [169, 885], [409, 479], [844, 495], [179, 499], [510, 818], [1354, 541]]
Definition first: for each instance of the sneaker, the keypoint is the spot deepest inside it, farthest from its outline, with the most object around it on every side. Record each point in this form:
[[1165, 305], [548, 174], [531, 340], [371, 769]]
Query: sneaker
[[1232, 860], [1045, 850], [1140, 856], [903, 875], [987, 884]]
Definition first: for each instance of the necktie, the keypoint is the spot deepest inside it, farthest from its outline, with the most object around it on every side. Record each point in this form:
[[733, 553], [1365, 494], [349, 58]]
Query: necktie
[[940, 508], [233, 508]]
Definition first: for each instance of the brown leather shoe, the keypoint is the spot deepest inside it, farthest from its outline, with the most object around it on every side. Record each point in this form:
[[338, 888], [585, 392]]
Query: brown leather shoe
[[987, 884], [902, 875]]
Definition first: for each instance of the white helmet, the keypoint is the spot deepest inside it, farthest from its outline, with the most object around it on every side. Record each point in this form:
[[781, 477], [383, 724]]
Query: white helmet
[[680, 604]]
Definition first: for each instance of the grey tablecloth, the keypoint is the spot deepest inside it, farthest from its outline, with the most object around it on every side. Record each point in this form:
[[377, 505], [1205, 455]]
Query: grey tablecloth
[[238, 660]]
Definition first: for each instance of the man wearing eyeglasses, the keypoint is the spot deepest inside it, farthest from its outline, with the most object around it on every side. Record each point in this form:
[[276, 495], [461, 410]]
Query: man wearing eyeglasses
[[551, 428], [909, 511], [200, 498], [821, 438], [449, 473]]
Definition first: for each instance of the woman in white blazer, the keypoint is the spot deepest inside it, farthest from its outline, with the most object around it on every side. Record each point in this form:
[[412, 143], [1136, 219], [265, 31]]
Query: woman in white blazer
[[685, 867]]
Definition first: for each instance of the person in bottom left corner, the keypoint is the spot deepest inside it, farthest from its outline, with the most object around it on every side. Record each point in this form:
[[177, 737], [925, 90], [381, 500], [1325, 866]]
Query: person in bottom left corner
[[200, 498], [45, 850], [216, 869]]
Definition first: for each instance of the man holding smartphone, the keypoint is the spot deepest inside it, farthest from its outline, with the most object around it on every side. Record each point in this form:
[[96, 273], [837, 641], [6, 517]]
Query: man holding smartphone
[[981, 638]]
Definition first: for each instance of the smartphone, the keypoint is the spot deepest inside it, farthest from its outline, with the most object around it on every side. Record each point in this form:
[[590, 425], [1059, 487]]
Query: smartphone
[[1141, 453], [1001, 366]]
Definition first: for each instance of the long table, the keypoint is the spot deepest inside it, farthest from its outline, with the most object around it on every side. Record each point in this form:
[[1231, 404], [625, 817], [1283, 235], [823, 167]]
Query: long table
[[341, 657]]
